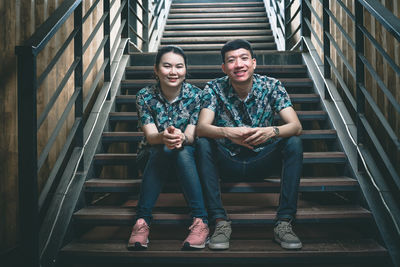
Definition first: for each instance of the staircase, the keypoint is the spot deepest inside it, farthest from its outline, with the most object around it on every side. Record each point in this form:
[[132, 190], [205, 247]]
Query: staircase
[[332, 222]]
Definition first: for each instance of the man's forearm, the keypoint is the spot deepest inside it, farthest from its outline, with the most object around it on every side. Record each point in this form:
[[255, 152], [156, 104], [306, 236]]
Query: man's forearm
[[211, 131]]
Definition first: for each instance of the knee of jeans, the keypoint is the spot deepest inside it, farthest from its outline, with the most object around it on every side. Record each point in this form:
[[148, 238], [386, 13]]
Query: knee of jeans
[[203, 144], [166, 151], [294, 145], [186, 153]]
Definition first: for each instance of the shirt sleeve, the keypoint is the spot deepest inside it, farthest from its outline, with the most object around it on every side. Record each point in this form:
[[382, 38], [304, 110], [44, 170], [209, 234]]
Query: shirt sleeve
[[196, 110], [282, 99], [143, 109], [208, 98]]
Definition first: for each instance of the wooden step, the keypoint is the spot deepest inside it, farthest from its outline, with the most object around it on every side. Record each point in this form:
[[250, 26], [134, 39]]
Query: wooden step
[[287, 82], [302, 114], [116, 215], [217, 39], [295, 98], [217, 33], [308, 158], [307, 184], [217, 47], [138, 136], [241, 252], [207, 71], [225, 14], [220, 26], [175, 6], [263, 19], [215, 9]]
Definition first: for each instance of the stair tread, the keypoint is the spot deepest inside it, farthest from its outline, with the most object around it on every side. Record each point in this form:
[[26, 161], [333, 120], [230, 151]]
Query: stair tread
[[225, 14], [202, 5], [215, 9], [208, 26], [171, 33], [304, 132], [239, 249], [293, 97], [295, 67], [236, 213], [268, 185], [215, 20], [285, 81], [216, 39]]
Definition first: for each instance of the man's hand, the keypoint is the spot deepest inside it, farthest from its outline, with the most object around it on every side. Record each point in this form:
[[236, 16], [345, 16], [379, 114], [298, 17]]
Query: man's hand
[[261, 135], [239, 134], [173, 137]]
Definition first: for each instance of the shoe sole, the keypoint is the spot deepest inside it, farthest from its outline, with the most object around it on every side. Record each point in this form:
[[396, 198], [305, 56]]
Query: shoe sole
[[137, 246], [290, 246], [188, 246], [218, 246]]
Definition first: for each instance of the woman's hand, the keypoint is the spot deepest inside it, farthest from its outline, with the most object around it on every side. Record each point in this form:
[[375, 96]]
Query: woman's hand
[[173, 137]]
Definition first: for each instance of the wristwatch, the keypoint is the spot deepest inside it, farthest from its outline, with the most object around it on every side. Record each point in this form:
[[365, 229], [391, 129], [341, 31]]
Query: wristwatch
[[276, 131], [185, 140]]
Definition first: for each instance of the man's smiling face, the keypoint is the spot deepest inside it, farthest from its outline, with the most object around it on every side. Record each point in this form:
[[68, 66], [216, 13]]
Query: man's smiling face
[[239, 65]]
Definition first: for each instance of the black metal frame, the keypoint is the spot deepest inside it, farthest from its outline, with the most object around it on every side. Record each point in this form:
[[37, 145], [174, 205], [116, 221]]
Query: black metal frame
[[366, 137]]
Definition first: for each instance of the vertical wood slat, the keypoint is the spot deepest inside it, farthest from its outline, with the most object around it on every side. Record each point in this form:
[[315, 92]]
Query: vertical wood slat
[[11, 34]]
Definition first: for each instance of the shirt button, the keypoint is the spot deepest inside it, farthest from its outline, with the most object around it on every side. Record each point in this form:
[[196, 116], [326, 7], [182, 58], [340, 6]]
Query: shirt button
[[169, 118]]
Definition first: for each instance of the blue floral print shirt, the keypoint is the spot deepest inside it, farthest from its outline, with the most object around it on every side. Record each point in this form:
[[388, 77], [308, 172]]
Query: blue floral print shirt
[[152, 107], [267, 97]]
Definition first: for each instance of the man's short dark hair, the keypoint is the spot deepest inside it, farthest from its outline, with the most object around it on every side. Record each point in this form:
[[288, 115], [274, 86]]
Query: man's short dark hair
[[234, 45]]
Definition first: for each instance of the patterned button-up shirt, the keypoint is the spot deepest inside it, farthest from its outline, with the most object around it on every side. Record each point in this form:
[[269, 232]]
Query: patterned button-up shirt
[[267, 97], [152, 107]]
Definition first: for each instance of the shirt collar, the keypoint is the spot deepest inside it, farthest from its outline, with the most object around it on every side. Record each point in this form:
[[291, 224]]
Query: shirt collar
[[185, 92], [230, 93]]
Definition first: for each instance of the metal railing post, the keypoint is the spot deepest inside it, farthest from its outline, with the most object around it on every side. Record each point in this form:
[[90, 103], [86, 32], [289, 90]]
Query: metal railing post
[[305, 14], [286, 22], [146, 25], [107, 46], [327, 44], [125, 16], [78, 76], [360, 98], [27, 157]]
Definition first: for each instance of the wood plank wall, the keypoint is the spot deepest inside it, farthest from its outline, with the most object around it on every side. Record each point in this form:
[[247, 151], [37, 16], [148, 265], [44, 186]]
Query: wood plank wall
[[18, 20], [386, 73]]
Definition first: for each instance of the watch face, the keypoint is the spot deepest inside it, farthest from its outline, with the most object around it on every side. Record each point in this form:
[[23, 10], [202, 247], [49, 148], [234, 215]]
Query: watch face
[[276, 131]]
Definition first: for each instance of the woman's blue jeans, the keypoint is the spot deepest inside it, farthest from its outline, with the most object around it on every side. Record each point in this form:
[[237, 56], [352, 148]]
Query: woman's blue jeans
[[284, 155], [162, 166]]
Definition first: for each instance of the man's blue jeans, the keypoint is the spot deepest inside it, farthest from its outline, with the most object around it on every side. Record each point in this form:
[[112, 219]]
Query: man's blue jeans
[[162, 165], [215, 162]]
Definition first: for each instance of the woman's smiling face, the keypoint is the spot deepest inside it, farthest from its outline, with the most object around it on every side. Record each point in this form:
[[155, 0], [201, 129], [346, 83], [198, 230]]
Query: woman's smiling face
[[171, 71]]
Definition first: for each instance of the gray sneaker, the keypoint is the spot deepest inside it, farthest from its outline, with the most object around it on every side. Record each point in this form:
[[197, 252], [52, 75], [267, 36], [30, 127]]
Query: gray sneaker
[[220, 238], [284, 235]]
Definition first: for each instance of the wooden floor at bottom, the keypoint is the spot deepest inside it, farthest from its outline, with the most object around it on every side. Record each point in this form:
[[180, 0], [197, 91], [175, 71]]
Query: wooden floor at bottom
[[323, 245]]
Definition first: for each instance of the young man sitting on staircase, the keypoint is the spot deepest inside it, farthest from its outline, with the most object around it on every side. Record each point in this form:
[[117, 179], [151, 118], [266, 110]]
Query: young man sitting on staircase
[[239, 141]]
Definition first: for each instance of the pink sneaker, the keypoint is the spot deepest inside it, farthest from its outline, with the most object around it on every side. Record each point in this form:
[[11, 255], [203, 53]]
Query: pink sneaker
[[139, 237], [198, 235]]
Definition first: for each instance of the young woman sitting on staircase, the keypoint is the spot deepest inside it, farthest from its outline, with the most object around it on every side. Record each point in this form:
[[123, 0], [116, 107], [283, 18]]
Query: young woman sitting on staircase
[[168, 113]]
